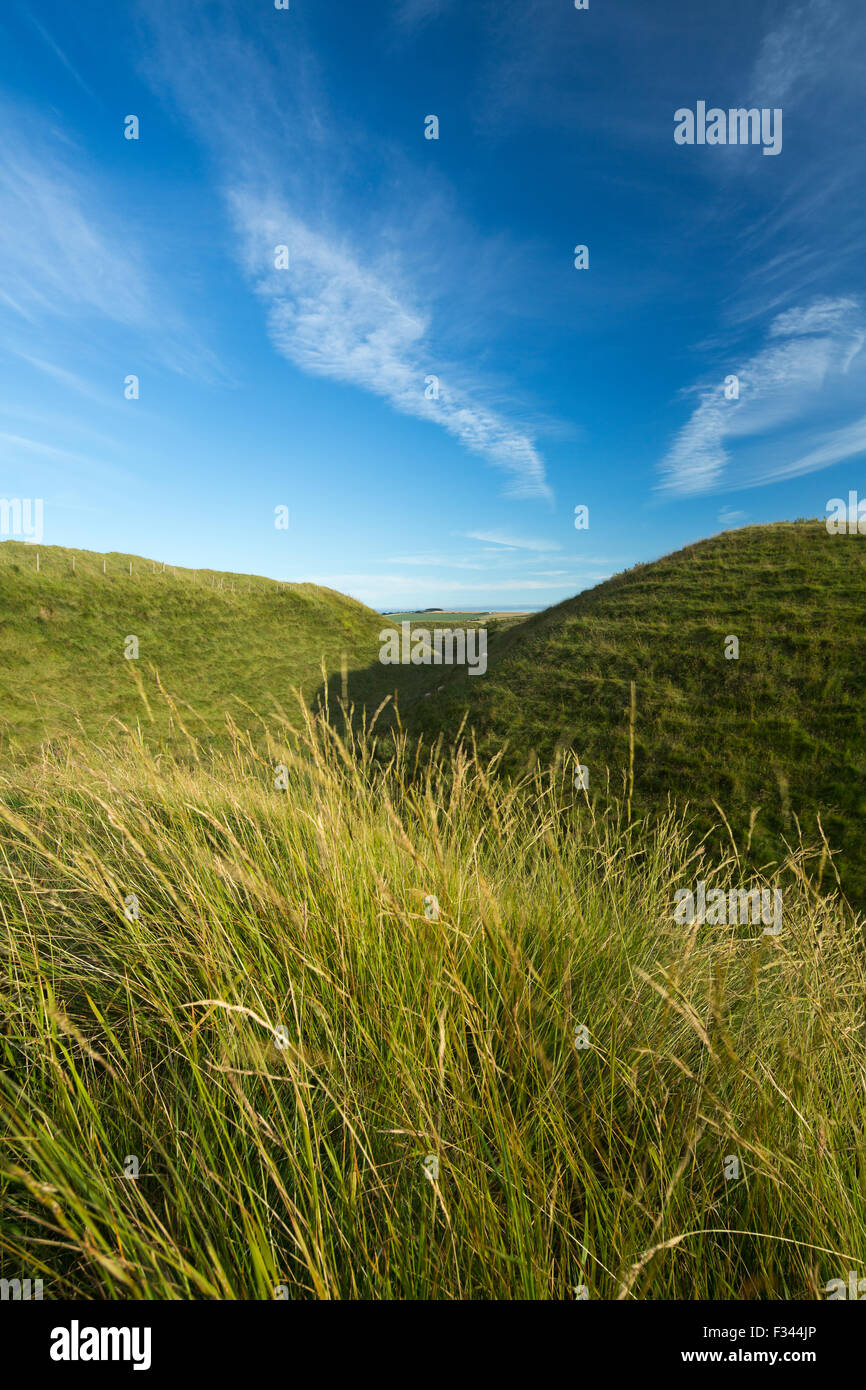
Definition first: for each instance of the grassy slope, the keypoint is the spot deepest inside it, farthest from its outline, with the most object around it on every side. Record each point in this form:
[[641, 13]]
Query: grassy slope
[[62, 643], [406, 1034], [298, 1159], [781, 729]]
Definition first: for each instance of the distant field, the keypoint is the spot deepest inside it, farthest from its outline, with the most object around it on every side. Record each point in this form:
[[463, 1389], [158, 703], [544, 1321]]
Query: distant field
[[418, 616], [469, 616]]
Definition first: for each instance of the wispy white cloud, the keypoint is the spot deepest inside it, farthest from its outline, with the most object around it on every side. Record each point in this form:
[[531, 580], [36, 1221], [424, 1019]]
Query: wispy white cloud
[[846, 443], [795, 53], [355, 306], [512, 542], [55, 257], [810, 64], [800, 378], [58, 52], [822, 316], [61, 424], [69, 379], [17, 450], [375, 589], [412, 14], [331, 315], [69, 263], [434, 561]]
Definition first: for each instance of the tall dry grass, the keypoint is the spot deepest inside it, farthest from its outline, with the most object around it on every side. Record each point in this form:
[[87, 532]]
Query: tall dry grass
[[296, 1158]]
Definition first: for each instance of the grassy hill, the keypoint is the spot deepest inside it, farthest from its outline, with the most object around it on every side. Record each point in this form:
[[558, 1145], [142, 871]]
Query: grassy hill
[[213, 640], [402, 1026], [773, 737]]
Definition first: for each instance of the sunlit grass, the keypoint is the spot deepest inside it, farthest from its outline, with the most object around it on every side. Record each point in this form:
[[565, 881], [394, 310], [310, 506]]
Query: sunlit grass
[[408, 1034]]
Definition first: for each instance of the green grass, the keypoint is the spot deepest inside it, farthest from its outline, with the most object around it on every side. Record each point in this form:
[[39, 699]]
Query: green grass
[[167, 905], [223, 644], [407, 1034], [776, 738]]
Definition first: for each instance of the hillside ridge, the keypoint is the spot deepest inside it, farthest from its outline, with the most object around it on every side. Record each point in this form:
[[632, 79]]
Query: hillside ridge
[[771, 734], [214, 640]]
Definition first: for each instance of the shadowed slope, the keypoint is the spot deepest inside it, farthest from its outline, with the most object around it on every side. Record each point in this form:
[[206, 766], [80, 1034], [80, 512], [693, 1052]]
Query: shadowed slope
[[778, 731]]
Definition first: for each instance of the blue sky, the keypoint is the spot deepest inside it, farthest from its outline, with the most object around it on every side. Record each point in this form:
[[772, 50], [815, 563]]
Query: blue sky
[[410, 258]]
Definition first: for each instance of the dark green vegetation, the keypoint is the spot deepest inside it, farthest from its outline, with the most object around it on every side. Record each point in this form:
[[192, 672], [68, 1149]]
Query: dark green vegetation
[[219, 644], [777, 738]]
